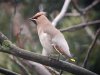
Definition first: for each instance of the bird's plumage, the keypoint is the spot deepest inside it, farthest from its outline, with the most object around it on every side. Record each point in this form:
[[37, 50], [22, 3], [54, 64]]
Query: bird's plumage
[[50, 37]]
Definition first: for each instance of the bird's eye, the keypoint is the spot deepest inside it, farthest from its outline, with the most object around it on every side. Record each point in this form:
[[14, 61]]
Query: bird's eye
[[35, 17], [34, 20]]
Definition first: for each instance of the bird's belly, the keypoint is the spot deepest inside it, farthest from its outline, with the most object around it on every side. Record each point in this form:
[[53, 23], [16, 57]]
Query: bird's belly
[[46, 43]]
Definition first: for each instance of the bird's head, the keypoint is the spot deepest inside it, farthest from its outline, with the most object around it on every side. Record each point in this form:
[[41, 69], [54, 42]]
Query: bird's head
[[36, 16]]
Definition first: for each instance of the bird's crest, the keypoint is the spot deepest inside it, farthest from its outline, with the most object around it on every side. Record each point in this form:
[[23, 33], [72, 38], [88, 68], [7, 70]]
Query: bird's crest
[[38, 14]]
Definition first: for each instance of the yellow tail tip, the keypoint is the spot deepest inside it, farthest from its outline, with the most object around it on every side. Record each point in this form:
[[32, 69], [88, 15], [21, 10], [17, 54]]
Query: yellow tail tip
[[73, 60]]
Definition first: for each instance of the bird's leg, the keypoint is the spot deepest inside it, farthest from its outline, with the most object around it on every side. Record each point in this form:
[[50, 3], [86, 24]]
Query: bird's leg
[[61, 71], [57, 51], [58, 56]]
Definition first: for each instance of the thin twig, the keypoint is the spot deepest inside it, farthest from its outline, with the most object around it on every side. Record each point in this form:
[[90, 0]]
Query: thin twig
[[7, 72], [62, 13], [40, 69], [53, 71], [22, 67], [95, 2], [91, 48], [72, 14], [77, 7], [82, 14], [84, 11], [80, 26], [88, 30]]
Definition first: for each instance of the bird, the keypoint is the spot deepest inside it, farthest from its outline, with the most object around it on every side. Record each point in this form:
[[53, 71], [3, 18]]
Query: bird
[[51, 39]]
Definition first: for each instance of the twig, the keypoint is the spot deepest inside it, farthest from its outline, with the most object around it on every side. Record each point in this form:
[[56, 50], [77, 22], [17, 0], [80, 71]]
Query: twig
[[16, 51], [52, 70], [62, 13], [7, 72], [22, 67], [84, 11], [72, 14], [39, 68], [80, 26], [88, 30], [91, 48], [91, 6], [77, 7], [82, 14]]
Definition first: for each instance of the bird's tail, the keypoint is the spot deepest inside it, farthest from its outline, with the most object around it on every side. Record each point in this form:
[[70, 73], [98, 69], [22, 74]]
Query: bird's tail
[[72, 60]]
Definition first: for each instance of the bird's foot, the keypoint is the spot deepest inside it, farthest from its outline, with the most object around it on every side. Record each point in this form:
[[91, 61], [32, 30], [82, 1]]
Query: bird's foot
[[61, 72]]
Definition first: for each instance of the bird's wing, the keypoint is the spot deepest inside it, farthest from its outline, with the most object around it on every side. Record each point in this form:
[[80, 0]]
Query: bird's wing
[[60, 44]]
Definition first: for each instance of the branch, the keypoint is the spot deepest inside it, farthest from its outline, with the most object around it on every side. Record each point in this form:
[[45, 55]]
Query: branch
[[77, 7], [82, 14], [16, 51], [62, 12], [7, 72], [91, 48], [21, 66], [53, 70], [80, 26], [72, 14], [40, 69], [84, 11], [95, 2], [88, 30]]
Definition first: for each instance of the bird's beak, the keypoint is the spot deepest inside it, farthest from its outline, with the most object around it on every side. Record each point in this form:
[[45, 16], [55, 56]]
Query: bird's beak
[[33, 20]]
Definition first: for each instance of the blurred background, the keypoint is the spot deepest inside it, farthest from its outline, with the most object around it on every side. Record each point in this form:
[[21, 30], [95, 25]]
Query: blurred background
[[15, 24]]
